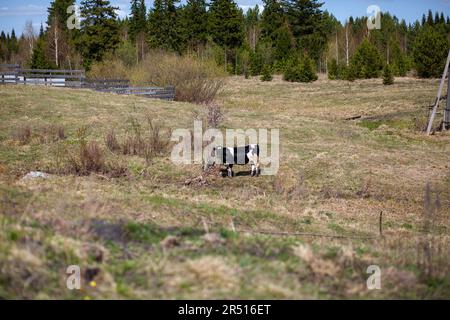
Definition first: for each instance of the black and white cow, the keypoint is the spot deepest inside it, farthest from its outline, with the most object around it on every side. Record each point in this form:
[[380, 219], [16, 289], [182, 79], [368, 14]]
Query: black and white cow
[[229, 156]]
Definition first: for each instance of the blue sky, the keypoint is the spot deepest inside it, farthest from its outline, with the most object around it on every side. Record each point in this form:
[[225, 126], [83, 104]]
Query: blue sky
[[14, 13]]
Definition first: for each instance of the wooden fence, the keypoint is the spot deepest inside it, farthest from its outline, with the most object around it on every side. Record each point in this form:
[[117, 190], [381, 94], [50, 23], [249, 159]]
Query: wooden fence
[[13, 74]]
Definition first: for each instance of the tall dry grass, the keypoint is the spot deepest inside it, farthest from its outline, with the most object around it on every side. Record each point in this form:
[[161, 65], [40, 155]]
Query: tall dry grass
[[195, 80]]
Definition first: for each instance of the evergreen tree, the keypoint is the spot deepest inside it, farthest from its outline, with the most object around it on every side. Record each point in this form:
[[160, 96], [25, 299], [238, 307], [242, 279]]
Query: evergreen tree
[[430, 53], [225, 23], [306, 21], [138, 18], [99, 30], [272, 19], [283, 43], [333, 70], [266, 73], [165, 30], [38, 58], [300, 69], [196, 23], [366, 61], [388, 77]]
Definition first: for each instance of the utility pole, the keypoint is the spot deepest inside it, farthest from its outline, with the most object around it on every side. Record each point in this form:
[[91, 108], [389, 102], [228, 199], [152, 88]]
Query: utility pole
[[438, 98]]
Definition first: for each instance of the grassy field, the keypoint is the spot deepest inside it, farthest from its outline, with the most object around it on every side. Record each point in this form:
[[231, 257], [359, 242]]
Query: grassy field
[[148, 233]]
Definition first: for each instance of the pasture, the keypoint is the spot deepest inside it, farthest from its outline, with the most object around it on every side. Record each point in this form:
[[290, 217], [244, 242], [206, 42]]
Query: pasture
[[146, 228]]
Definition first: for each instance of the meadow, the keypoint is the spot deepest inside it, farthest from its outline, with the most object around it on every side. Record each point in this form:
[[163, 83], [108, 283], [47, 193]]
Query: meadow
[[142, 227]]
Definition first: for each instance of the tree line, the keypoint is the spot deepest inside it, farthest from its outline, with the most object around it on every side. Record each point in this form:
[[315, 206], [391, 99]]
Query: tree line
[[294, 37]]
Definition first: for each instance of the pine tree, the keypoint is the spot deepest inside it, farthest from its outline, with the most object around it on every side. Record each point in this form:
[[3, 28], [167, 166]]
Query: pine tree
[[300, 69], [388, 77], [138, 19], [366, 61], [165, 26], [430, 52], [272, 19], [333, 70], [266, 73], [225, 23], [196, 23], [283, 43], [38, 57], [306, 21], [99, 30]]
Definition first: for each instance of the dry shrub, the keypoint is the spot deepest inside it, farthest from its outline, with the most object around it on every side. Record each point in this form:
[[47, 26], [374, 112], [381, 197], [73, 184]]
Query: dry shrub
[[108, 68], [44, 134], [22, 134], [194, 80], [146, 140], [111, 141], [432, 257], [214, 114], [88, 157], [51, 133]]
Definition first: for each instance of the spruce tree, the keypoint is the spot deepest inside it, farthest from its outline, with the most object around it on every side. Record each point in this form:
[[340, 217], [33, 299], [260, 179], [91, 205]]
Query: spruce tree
[[138, 18], [272, 19], [388, 77], [300, 69], [266, 73], [305, 19], [196, 23], [165, 26], [366, 61], [225, 23], [333, 70], [99, 30], [430, 53]]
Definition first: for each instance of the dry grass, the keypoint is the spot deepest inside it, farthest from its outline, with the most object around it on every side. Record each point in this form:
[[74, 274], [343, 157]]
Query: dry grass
[[335, 178]]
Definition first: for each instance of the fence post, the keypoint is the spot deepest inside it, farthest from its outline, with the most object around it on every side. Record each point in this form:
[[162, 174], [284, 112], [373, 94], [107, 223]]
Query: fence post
[[446, 124]]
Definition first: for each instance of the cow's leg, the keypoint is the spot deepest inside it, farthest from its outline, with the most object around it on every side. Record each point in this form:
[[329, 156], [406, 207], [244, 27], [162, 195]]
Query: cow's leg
[[253, 170], [258, 170], [230, 170]]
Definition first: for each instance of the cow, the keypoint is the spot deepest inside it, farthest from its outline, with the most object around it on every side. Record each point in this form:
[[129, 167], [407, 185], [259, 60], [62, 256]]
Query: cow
[[229, 156]]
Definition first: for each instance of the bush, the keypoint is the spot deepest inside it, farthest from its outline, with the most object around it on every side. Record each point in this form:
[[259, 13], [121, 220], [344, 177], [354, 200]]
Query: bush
[[300, 69], [22, 134], [388, 77], [108, 68], [86, 157], [194, 80], [266, 73]]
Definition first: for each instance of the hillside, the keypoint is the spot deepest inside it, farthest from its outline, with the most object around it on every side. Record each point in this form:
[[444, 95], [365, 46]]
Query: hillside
[[149, 230]]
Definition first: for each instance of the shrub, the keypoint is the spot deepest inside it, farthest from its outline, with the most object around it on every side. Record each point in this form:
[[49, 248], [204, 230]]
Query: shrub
[[22, 134], [300, 69], [194, 80], [108, 68], [86, 157], [266, 73], [388, 77], [146, 141], [111, 141], [51, 133]]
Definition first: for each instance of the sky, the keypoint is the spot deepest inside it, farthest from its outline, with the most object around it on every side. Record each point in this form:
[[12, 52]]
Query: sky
[[15, 13]]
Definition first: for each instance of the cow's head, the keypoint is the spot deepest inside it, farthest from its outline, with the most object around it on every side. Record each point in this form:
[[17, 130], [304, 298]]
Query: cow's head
[[213, 158]]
